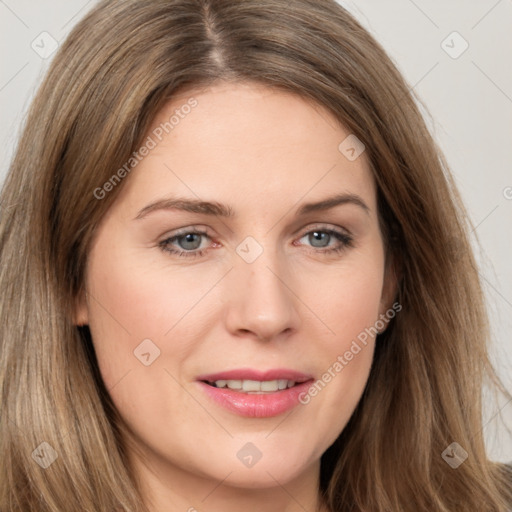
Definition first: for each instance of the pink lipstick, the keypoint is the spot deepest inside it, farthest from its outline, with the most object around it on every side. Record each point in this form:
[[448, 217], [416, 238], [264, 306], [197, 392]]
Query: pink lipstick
[[254, 393]]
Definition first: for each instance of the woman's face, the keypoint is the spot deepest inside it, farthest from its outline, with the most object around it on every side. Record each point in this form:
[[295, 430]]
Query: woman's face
[[278, 294]]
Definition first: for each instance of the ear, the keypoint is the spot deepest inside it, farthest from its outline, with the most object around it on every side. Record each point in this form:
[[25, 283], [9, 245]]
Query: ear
[[392, 276], [81, 310]]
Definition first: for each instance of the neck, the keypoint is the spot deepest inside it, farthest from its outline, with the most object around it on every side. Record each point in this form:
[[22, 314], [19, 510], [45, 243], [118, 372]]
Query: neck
[[167, 488]]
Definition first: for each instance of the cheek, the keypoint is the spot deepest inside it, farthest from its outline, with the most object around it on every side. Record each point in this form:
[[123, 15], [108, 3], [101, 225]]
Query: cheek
[[349, 309], [348, 300], [134, 297], [129, 303]]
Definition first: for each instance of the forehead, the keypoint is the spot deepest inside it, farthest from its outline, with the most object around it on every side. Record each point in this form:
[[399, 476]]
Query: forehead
[[248, 143]]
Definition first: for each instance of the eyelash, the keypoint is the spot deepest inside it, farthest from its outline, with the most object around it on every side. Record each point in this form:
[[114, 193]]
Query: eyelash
[[345, 240]]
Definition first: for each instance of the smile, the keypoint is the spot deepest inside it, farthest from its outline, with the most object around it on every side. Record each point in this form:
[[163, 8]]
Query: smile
[[256, 394]]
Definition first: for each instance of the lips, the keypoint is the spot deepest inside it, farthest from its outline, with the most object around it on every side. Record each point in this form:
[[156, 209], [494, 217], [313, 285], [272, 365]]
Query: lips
[[254, 393]]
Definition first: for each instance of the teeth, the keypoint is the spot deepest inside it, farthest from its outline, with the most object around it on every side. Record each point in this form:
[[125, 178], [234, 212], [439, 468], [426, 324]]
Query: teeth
[[232, 384], [269, 385], [255, 386], [251, 385], [282, 383]]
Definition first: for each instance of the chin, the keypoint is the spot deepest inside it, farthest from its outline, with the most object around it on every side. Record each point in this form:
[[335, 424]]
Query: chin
[[276, 468]]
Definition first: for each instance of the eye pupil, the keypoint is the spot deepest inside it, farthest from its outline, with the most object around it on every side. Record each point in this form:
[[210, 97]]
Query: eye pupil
[[191, 241], [319, 236]]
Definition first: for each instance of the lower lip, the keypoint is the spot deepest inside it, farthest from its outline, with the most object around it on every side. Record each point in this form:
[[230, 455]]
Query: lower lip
[[253, 405]]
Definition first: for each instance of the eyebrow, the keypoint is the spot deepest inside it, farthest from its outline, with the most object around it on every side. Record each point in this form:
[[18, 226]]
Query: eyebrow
[[216, 209]]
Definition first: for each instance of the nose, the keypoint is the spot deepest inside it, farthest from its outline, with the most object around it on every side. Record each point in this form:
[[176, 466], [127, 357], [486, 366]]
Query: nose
[[260, 299]]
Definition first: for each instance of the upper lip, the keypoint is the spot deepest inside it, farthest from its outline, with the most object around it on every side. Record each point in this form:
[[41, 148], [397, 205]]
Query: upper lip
[[252, 374]]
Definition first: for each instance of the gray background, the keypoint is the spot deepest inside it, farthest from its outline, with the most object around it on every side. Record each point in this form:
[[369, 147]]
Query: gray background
[[469, 99]]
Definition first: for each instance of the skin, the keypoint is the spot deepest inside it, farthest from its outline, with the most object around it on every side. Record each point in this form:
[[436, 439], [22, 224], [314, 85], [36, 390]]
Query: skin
[[264, 153]]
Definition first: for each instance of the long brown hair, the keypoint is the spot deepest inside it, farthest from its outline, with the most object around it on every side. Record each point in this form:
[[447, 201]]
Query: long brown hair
[[118, 66]]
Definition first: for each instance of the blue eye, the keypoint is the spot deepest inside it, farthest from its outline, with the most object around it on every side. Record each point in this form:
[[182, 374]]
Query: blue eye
[[188, 243], [320, 238]]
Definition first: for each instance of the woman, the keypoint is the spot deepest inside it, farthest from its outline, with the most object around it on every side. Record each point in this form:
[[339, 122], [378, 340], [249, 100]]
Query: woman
[[229, 276]]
